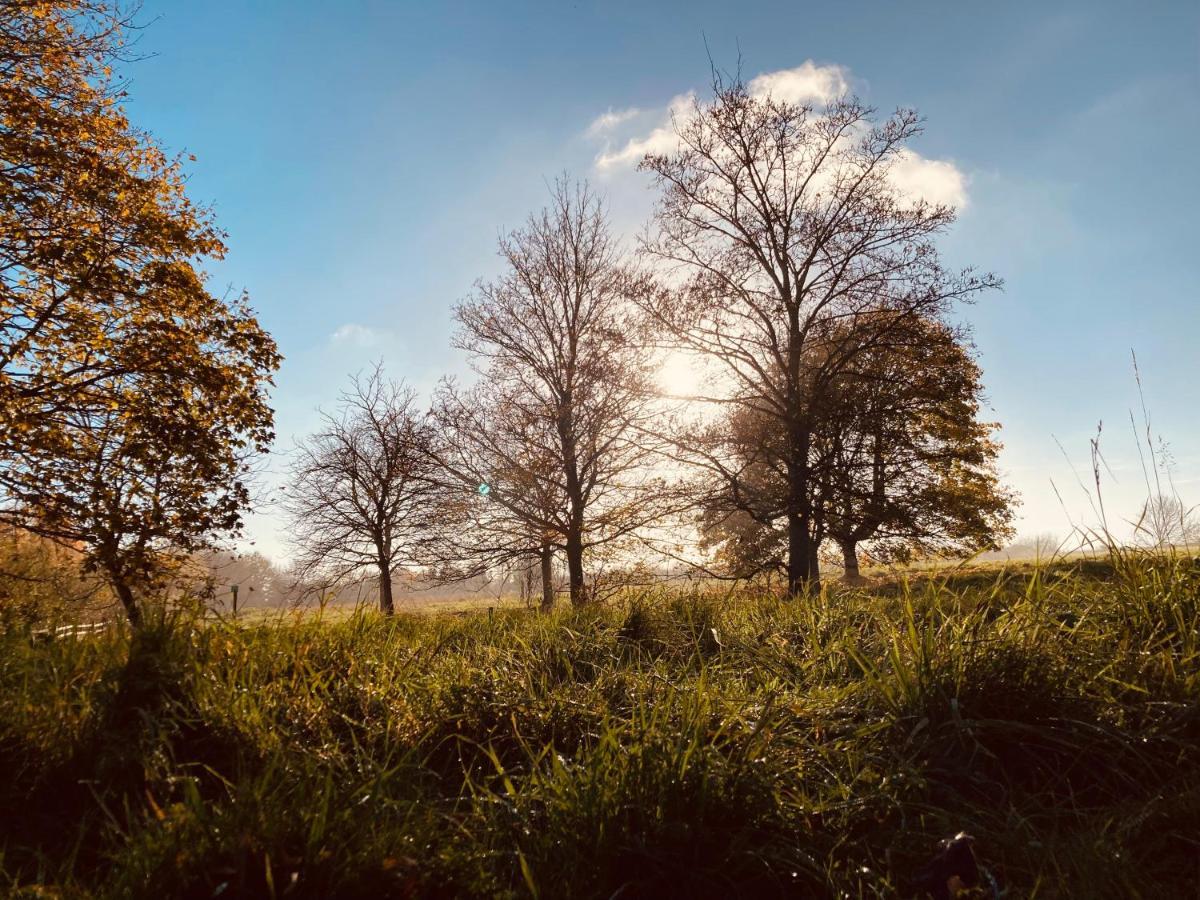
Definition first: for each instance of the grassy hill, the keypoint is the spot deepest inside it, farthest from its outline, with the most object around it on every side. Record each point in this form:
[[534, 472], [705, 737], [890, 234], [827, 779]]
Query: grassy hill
[[672, 744]]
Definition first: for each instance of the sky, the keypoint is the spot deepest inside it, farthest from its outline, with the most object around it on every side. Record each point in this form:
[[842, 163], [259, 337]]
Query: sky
[[364, 158]]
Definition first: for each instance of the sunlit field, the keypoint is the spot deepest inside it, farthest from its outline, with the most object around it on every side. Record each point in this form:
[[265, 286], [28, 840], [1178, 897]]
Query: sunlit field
[[690, 744], [410, 604]]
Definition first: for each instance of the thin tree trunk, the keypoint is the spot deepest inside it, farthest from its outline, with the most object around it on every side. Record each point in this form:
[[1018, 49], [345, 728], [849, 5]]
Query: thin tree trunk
[[547, 578], [850, 562], [132, 611], [575, 580], [386, 604]]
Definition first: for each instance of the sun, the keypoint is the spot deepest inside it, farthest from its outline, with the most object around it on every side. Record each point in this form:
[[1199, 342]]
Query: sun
[[679, 374]]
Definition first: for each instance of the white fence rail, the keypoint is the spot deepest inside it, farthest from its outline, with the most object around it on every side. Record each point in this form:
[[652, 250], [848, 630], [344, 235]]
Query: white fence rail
[[82, 629]]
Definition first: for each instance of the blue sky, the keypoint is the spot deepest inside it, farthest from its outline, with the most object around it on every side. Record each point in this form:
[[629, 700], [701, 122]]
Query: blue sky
[[364, 157]]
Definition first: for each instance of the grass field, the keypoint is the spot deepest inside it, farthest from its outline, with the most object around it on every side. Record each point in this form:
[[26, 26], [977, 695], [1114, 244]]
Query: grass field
[[414, 605], [672, 744]]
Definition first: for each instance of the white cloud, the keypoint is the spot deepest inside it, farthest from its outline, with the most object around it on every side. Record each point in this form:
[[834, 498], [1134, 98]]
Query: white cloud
[[934, 180], [807, 83], [606, 122], [661, 140], [356, 335]]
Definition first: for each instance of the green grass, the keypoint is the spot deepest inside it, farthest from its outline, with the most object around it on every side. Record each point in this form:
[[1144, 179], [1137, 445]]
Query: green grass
[[671, 745]]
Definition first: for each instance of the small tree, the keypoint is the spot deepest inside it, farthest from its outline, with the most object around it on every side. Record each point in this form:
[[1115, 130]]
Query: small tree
[[903, 462], [557, 339], [362, 487], [1166, 521]]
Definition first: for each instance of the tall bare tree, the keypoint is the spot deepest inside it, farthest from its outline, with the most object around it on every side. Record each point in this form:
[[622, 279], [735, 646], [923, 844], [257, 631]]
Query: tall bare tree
[[556, 337], [362, 487], [784, 225]]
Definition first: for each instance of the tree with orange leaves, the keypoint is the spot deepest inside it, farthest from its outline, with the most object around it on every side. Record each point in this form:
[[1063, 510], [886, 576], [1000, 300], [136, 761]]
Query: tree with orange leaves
[[131, 399]]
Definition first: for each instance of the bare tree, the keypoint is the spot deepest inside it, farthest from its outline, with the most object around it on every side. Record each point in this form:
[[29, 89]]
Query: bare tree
[[1166, 521], [362, 486], [564, 403], [783, 224]]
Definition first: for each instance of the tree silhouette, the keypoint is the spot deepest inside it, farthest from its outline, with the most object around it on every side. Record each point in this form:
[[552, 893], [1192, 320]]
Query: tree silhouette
[[361, 491], [784, 227], [557, 340], [900, 462]]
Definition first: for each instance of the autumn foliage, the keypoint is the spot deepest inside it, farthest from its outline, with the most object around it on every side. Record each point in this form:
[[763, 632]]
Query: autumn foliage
[[130, 396]]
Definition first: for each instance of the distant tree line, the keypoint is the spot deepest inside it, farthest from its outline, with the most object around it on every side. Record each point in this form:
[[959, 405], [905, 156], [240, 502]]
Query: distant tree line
[[841, 406]]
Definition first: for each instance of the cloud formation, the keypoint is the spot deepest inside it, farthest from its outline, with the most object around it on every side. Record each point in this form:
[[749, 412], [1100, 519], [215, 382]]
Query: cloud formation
[[606, 122], [807, 83], [934, 180], [660, 140]]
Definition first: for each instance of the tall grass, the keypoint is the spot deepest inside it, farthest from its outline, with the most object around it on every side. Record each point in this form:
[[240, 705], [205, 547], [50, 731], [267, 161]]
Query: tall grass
[[672, 744]]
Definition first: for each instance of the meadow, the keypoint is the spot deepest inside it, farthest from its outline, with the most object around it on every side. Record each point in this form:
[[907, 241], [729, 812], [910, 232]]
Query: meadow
[[683, 743]]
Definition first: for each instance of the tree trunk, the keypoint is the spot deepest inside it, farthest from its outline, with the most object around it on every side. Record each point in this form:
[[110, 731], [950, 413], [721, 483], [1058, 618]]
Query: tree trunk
[[803, 567], [850, 562], [803, 575], [798, 554], [386, 604], [575, 568], [132, 611], [547, 578], [566, 434]]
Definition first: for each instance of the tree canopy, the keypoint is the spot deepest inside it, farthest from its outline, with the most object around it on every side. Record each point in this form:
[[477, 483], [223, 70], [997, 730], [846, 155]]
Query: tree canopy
[[558, 343], [783, 226], [902, 463], [131, 398]]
